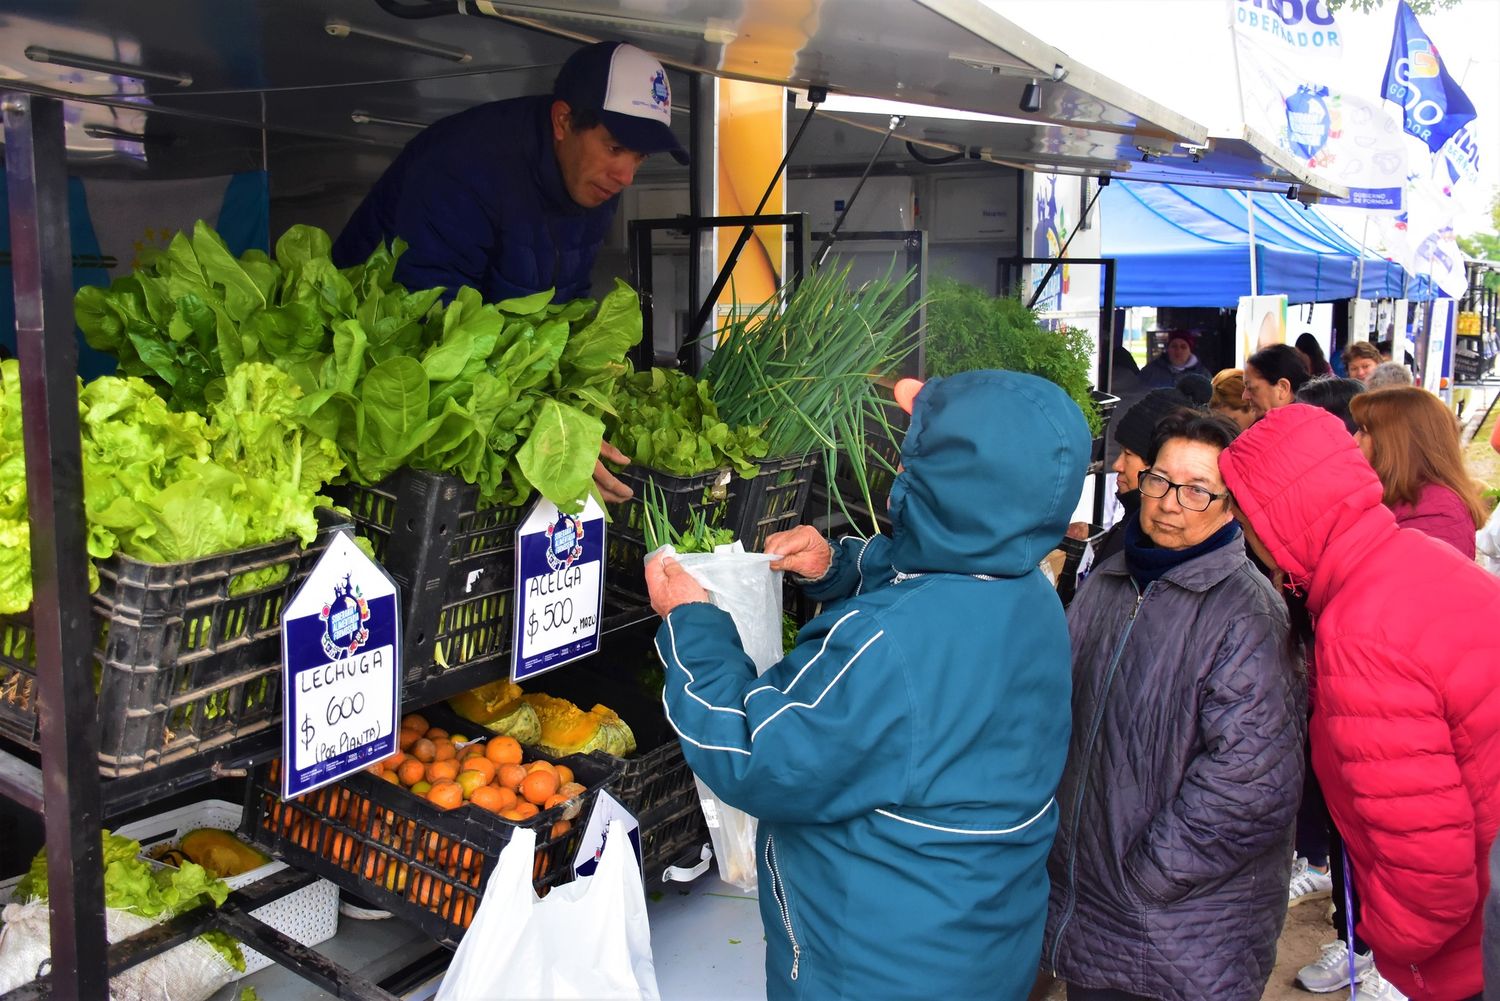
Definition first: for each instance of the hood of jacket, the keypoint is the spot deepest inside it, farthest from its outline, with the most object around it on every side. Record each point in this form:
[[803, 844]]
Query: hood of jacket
[[994, 466], [1309, 494]]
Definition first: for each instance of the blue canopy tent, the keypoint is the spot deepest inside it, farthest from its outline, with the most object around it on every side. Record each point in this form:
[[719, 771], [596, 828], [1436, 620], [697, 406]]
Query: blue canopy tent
[[1190, 246]]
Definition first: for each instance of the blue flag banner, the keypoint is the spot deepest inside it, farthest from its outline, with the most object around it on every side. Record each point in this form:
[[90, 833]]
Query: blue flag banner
[[1435, 106]]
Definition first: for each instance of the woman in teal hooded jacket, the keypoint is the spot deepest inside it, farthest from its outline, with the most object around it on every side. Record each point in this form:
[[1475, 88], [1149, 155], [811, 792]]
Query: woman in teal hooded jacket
[[903, 757]]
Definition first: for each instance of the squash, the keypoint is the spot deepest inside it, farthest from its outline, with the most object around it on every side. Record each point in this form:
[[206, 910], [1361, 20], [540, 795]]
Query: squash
[[520, 722], [566, 729], [487, 703], [220, 852]]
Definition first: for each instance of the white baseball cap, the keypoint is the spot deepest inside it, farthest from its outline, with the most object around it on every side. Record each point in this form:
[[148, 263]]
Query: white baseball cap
[[628, 89]]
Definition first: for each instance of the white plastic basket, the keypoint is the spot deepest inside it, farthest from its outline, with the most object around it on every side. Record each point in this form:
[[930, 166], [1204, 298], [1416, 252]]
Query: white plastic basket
[[309, 915]]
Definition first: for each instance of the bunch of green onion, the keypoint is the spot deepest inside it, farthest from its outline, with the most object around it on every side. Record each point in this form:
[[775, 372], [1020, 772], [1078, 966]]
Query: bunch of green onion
[[804, 365], [696, 537]]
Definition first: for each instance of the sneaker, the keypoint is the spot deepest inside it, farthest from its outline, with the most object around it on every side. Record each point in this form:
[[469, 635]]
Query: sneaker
[[1374, 987], [1307, 883], [1331, 971]]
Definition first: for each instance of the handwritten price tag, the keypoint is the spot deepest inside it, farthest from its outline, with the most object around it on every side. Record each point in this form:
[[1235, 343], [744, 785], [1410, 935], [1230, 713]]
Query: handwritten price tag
[[559, 587], [341, 686]]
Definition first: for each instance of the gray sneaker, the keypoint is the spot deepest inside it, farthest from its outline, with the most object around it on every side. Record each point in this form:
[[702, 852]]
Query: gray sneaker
[[1331, 970]]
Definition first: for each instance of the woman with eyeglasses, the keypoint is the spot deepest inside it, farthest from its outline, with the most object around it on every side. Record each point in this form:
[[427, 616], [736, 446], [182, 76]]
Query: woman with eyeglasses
[[1184, 772]]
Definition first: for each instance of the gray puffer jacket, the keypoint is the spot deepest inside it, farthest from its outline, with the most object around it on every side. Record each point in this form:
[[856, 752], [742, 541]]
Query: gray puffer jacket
[[1170, 868]]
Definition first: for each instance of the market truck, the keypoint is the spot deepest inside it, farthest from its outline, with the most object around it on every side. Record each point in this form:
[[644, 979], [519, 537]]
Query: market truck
[[311, 593]]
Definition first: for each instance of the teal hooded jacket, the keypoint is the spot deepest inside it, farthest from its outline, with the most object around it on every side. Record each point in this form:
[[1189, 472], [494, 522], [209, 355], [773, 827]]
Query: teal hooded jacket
[[903, 757]]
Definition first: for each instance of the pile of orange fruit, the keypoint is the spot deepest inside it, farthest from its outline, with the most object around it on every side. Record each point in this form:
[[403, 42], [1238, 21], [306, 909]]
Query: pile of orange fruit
[[449, 772]]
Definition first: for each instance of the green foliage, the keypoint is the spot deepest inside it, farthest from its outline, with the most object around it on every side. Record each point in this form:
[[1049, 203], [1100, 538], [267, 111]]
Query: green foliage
[[508, 395], [167, 487], [1417, 6], [698, 536], [134, 886], [804, 366], [968, 328], [669, 421]]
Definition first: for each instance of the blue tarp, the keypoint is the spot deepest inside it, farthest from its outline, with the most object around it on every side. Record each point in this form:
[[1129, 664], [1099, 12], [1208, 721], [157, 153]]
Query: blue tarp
[[1187, 246]]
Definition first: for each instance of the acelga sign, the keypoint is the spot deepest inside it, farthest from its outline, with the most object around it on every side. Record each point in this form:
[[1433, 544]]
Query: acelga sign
[[1301, 27]]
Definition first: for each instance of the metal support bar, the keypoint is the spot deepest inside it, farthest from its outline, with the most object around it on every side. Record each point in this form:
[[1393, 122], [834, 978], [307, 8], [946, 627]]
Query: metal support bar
[[691, 356], [303, 961], [1058, 260], [838, 224], [21, 782], [37, 183], [815, 97]]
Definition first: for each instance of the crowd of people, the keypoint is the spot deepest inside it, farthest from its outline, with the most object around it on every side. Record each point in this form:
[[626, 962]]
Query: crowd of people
[[1283, 668]]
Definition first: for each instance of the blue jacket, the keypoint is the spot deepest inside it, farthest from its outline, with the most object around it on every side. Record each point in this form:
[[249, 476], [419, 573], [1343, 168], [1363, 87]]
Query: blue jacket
[[479, 199], [903, 757]]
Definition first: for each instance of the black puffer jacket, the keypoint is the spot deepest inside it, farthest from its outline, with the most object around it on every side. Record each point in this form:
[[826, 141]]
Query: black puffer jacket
[[1170, 869]]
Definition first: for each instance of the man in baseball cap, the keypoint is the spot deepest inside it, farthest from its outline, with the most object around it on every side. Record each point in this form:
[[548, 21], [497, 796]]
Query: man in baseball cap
[[516, 197]]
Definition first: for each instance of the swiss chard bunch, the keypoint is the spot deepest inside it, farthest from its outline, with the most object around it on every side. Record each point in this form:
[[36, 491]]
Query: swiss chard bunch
[[669, 421], [508, 396]]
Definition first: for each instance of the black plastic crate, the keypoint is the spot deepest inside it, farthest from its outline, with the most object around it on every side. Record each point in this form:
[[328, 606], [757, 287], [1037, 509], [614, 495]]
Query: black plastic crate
[[711, 494], [1073, 551], [183, 661], [402, 853], [1105, 404], [773, 500], [668, 834], [454, 561], [657, 774]]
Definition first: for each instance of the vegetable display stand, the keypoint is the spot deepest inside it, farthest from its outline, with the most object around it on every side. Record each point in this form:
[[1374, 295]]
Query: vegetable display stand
[[407, 856], [711, 494], [187, 655], [773, 500], [309, 915], [455, 563], [655, 784]]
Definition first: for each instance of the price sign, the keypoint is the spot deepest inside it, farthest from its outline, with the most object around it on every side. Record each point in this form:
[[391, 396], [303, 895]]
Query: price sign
[[341, 680], [559, 587]]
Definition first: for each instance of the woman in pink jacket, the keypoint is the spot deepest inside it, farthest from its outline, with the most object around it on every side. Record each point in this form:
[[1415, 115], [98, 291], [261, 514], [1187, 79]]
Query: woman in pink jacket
[[1411, 439], [1405, 728]]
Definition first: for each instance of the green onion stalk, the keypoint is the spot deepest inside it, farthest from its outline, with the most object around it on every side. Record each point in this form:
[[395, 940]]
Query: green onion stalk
[[804, 365]]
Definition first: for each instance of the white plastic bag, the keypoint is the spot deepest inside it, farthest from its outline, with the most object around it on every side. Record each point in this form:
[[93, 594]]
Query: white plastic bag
[[1487, 542], [587, 939], [744, 585], [192, 971]]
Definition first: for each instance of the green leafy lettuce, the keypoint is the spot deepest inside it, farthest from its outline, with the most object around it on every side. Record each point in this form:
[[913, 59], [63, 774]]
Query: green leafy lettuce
[[669, 421], [134, 885], [508, 396], [166, 486]]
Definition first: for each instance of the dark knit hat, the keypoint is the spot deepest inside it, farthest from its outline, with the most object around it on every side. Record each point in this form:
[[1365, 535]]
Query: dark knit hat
[[1133, 429], [1196, 388]]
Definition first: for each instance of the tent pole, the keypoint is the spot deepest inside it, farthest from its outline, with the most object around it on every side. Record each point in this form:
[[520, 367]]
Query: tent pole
[[1250, 231], [1364, 238]]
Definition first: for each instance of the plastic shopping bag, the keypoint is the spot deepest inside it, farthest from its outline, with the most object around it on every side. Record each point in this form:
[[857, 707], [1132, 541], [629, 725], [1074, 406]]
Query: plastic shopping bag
[[1487, 542], [588, 939], [193, 971], [744, 585]]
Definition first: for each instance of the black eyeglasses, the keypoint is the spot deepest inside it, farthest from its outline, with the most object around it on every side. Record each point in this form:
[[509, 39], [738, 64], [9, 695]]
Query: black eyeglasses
[[1190, 496]]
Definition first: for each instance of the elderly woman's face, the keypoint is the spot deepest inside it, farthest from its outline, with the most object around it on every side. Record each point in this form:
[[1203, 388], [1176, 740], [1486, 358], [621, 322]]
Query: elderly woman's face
[[1186, 474]]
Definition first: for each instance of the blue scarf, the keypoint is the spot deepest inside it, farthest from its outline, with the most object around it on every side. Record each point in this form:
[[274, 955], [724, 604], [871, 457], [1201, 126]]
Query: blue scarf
[[1147, 561]]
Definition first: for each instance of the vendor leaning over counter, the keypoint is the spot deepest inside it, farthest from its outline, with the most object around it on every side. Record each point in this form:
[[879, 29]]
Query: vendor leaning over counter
[[903, 757], [514, 197]]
